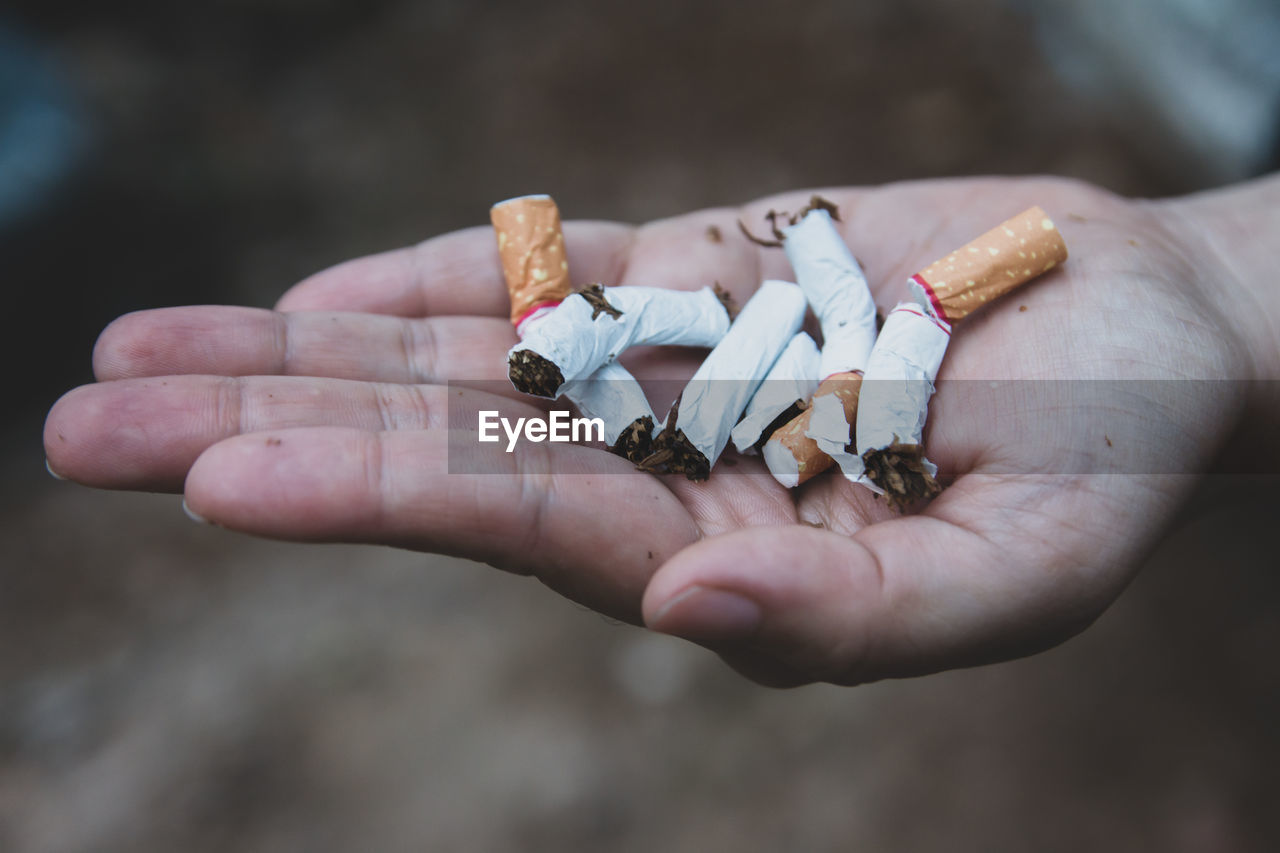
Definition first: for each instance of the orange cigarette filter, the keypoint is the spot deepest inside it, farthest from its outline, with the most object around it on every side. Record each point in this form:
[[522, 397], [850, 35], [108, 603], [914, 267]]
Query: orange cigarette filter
[[1007, 256], [809, 458], [531, 246]]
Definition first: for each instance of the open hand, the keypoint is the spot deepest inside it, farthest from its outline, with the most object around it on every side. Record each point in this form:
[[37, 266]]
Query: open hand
[[325, 420]]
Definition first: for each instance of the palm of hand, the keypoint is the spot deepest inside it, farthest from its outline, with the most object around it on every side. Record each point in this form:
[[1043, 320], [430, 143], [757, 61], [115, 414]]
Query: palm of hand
[[329, 426]]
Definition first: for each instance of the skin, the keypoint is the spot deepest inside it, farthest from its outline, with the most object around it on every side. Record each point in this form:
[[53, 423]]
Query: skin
[[325, 420]]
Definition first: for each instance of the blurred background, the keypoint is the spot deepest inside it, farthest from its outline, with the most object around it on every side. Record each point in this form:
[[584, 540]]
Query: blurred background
[[165, 686]]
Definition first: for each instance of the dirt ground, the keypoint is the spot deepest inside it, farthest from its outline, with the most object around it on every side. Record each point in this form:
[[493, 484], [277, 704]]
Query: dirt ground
[[166, 686]]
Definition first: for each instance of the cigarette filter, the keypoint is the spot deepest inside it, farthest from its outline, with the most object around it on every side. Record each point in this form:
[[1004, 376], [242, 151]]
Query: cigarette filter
[[1011, 254], [836, 288], [591, 328], [792, 454], [711, 403], [531, 246], [789, 383]]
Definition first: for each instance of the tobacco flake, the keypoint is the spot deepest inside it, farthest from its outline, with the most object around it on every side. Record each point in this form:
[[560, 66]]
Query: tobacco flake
[[533, 374], [759, 241], [899, 470], [635, 443], [726, 299], [817, 202], [594, 294]]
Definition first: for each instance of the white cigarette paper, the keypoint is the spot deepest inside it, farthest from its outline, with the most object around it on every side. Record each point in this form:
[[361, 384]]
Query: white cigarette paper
[[722, 386], [836, 288], [896, 387], [613, 395], [829, 426], [791, 380], [578, 343]]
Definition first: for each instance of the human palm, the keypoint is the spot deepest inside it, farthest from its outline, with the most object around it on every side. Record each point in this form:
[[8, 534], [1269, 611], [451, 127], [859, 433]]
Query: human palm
[[326, 420]]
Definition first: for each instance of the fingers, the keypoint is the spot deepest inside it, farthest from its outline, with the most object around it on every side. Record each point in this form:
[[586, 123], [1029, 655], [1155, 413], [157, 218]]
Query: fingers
[[233, 341], [901, 597], [593, 530], [146, 433], [455, 274], [440, 277], [459, 273]]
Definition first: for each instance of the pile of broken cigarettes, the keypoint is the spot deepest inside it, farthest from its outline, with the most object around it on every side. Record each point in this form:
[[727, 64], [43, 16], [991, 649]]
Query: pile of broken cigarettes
[[857, 402]]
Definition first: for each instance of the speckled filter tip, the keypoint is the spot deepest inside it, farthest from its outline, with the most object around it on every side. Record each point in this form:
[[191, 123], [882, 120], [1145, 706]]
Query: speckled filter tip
[[531, 246], [1009, 255]]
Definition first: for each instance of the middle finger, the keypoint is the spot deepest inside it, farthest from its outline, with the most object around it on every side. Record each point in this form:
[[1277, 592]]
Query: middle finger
[[233, 341], [146, 433]]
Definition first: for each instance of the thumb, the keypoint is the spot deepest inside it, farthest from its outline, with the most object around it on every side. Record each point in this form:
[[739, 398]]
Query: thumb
[[903, 597]]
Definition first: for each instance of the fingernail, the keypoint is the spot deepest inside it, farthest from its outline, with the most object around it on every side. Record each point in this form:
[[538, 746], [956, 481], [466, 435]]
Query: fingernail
[[704, 614], [52, 473], [193, 515]]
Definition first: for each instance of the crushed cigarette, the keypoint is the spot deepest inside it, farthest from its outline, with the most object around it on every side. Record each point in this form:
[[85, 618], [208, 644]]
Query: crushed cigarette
[[893, 400], [887, 451], [699, 425], [614, 396], [837, 290], [578, 336], [530, 243]]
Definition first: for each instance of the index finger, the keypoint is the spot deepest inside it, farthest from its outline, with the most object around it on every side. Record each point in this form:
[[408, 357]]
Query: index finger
[[460, 273], [453, 274]]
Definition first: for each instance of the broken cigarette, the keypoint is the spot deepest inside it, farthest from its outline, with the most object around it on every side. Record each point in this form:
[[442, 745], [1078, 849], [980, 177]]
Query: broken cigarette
[[783, 394], [893, 403], [700, 423], [593, 327], [836, 288], [905, 360], [792, 455], [613, 395], [536, 269]]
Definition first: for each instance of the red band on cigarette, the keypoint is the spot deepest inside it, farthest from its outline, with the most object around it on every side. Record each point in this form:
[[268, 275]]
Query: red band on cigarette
[[919, 312], [933, 297], [537, 306], [1009, 255]]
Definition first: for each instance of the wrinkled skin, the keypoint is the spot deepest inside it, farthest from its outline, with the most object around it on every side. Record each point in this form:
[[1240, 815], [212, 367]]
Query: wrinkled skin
[[325, 421]]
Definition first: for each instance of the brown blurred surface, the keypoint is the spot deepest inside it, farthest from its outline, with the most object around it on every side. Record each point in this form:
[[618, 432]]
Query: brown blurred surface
[[165, 686]]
